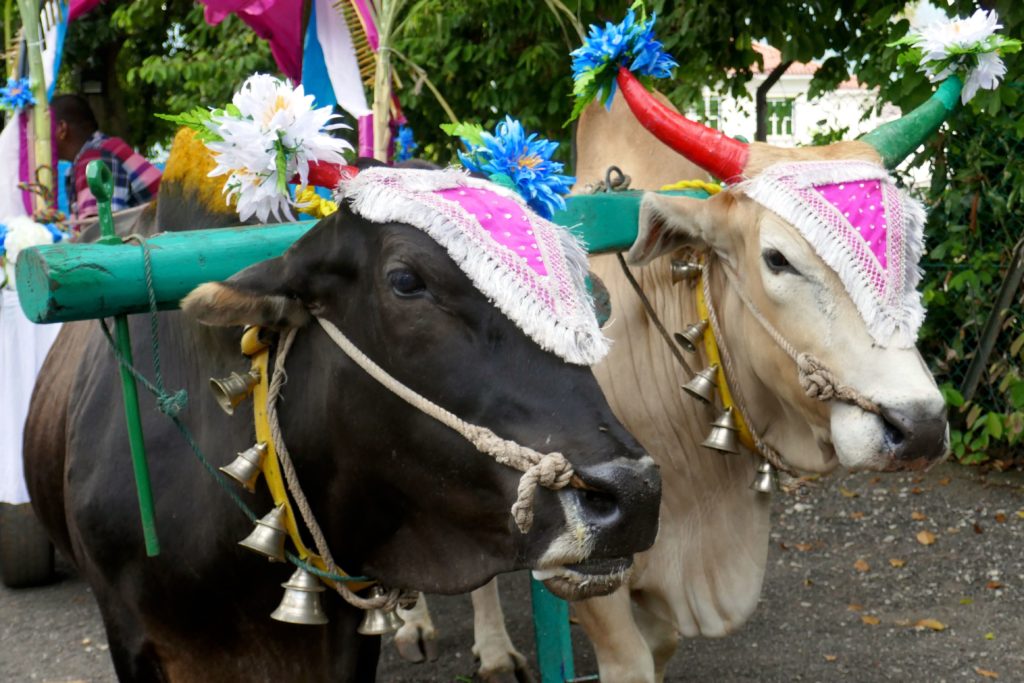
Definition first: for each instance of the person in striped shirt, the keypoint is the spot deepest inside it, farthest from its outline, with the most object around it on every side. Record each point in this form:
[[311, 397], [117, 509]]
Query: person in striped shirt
[[79, 140]]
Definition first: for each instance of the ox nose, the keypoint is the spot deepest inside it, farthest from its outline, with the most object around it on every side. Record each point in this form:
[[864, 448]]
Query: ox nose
[[620, 504], [913, 435]]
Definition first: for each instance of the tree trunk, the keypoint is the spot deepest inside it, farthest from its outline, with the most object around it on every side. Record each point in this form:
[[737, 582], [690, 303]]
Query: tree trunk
[[761, 100]]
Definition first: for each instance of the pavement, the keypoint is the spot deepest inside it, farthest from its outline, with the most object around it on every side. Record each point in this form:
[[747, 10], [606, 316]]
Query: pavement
[[870, 578]]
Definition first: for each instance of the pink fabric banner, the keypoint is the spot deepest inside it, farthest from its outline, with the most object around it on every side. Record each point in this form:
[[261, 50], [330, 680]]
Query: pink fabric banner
[[279, 22], [77, 8]]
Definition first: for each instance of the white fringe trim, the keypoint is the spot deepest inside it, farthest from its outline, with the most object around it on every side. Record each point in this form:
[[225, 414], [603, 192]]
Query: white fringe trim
[[571, 331], [890, 323]]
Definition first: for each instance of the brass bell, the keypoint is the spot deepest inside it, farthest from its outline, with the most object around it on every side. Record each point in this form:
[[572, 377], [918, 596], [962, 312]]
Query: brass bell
[[301, 601], [377, 621], [684, 270], [268, 537], [766, 478], [702, 386], [246, 468], [691, 336], [233, 389], [723, 433]]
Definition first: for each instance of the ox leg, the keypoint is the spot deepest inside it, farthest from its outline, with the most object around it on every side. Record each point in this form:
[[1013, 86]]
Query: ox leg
[[622, 651], [416, 640], [661, 636], [133, 655], [500, 662]]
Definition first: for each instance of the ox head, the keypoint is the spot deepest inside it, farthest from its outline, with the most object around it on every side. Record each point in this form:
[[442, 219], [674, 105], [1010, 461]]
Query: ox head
[[826, 248], [402, 497]]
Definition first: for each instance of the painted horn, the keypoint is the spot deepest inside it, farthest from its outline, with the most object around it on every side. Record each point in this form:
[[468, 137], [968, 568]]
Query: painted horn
[[895, 140], [325, 174], [712, 150]]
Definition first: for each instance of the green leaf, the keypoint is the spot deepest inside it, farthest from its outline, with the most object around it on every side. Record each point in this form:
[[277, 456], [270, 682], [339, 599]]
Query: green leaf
[[472, 133], [972, 416], [994, 425], [953, 397]]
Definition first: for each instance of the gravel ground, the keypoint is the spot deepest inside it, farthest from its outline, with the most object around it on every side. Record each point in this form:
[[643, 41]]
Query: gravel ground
[[850, 591]]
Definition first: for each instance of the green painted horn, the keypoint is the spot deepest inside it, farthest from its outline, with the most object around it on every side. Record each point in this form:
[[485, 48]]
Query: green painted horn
[[897, 139]]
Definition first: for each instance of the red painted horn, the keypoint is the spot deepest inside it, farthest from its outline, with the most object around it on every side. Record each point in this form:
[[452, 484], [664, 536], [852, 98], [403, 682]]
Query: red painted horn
[[710, 149], [325, 174]]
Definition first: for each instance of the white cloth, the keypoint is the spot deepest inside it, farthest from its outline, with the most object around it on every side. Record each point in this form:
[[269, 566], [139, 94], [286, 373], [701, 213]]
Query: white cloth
[[11, 203], [23, 347], [340, 59]]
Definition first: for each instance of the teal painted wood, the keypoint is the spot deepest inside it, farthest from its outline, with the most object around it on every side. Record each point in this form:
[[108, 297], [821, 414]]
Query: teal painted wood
[[607, 221], [67, 281], [551, 633]]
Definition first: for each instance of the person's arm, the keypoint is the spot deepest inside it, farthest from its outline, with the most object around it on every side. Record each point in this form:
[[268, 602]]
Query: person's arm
[[144, 178]]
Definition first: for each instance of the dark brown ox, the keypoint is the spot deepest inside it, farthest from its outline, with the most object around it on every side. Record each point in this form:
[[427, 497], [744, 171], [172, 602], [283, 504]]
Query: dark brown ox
[[400, 497]]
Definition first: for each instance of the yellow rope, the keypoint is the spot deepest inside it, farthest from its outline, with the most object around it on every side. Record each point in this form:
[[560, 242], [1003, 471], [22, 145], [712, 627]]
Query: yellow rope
[[710, 188]]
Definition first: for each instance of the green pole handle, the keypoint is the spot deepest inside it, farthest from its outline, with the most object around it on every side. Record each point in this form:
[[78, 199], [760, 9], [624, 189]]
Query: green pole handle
[[551, 633], [101, 183]]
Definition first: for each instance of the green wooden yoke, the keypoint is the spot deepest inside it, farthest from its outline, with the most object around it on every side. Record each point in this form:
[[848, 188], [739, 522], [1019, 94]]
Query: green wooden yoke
[[67, 281]]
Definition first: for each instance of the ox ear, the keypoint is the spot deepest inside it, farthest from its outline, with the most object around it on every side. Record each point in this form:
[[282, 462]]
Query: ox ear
[[262, 294], [667, 224]]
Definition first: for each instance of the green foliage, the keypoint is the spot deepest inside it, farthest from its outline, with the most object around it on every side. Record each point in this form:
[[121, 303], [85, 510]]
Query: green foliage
[[975, 220], [158, 56], [472, 133], [490, 59], [196, 119]]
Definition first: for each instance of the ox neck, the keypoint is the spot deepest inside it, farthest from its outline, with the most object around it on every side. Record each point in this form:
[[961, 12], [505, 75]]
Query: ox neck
[[718, 354], [257, 349]]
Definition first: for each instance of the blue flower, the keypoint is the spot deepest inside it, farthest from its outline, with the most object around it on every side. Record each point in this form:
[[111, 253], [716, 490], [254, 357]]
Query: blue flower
[[16, 95], [405, 144], [522, 162], [3, 236], [630, 43]]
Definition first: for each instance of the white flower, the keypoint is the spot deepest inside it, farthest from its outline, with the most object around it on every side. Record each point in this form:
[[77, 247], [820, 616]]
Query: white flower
[[936, 39], [270, 117], [986, 75], [22, 233], [257, 194], [968, 47]]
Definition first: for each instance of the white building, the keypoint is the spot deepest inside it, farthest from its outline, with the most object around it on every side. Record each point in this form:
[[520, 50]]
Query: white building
[[793, 118]]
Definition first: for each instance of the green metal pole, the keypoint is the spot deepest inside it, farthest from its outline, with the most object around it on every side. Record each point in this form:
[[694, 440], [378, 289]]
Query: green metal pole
[[101, 183], [551, 633]]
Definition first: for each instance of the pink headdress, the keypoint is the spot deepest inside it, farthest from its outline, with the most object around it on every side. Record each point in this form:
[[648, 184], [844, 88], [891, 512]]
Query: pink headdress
[[864, 228], [533, 270]]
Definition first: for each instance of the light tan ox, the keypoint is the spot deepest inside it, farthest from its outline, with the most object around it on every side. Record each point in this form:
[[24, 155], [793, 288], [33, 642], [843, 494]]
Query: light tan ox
[[704, 574]]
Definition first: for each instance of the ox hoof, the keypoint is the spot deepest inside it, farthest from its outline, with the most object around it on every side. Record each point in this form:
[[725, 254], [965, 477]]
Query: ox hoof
[[416, 643], [516, 671]]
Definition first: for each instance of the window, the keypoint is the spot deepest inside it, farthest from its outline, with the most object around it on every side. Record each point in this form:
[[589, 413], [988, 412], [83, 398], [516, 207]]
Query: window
[[711, 112], [780, 117]]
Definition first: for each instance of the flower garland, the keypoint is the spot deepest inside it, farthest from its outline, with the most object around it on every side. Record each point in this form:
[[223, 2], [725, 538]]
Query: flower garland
[[968, 48], [268, 135], [513, 159], [16, 95], [20, 233], [629, 43]]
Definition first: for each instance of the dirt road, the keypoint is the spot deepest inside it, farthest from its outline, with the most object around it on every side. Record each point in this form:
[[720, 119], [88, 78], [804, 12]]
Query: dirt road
[[852, 594]]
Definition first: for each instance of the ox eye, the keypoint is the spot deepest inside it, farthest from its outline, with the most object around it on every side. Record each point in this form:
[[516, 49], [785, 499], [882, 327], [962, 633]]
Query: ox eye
[[406, 282], [777, 262]]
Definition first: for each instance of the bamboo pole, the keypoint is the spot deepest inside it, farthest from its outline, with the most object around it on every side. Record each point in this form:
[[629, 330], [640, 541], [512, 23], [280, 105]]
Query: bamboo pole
[[43, 151]]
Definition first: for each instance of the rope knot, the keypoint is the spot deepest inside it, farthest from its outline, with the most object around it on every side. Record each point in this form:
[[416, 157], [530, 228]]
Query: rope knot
[[552, 471], [172, 404], [816, 381]]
